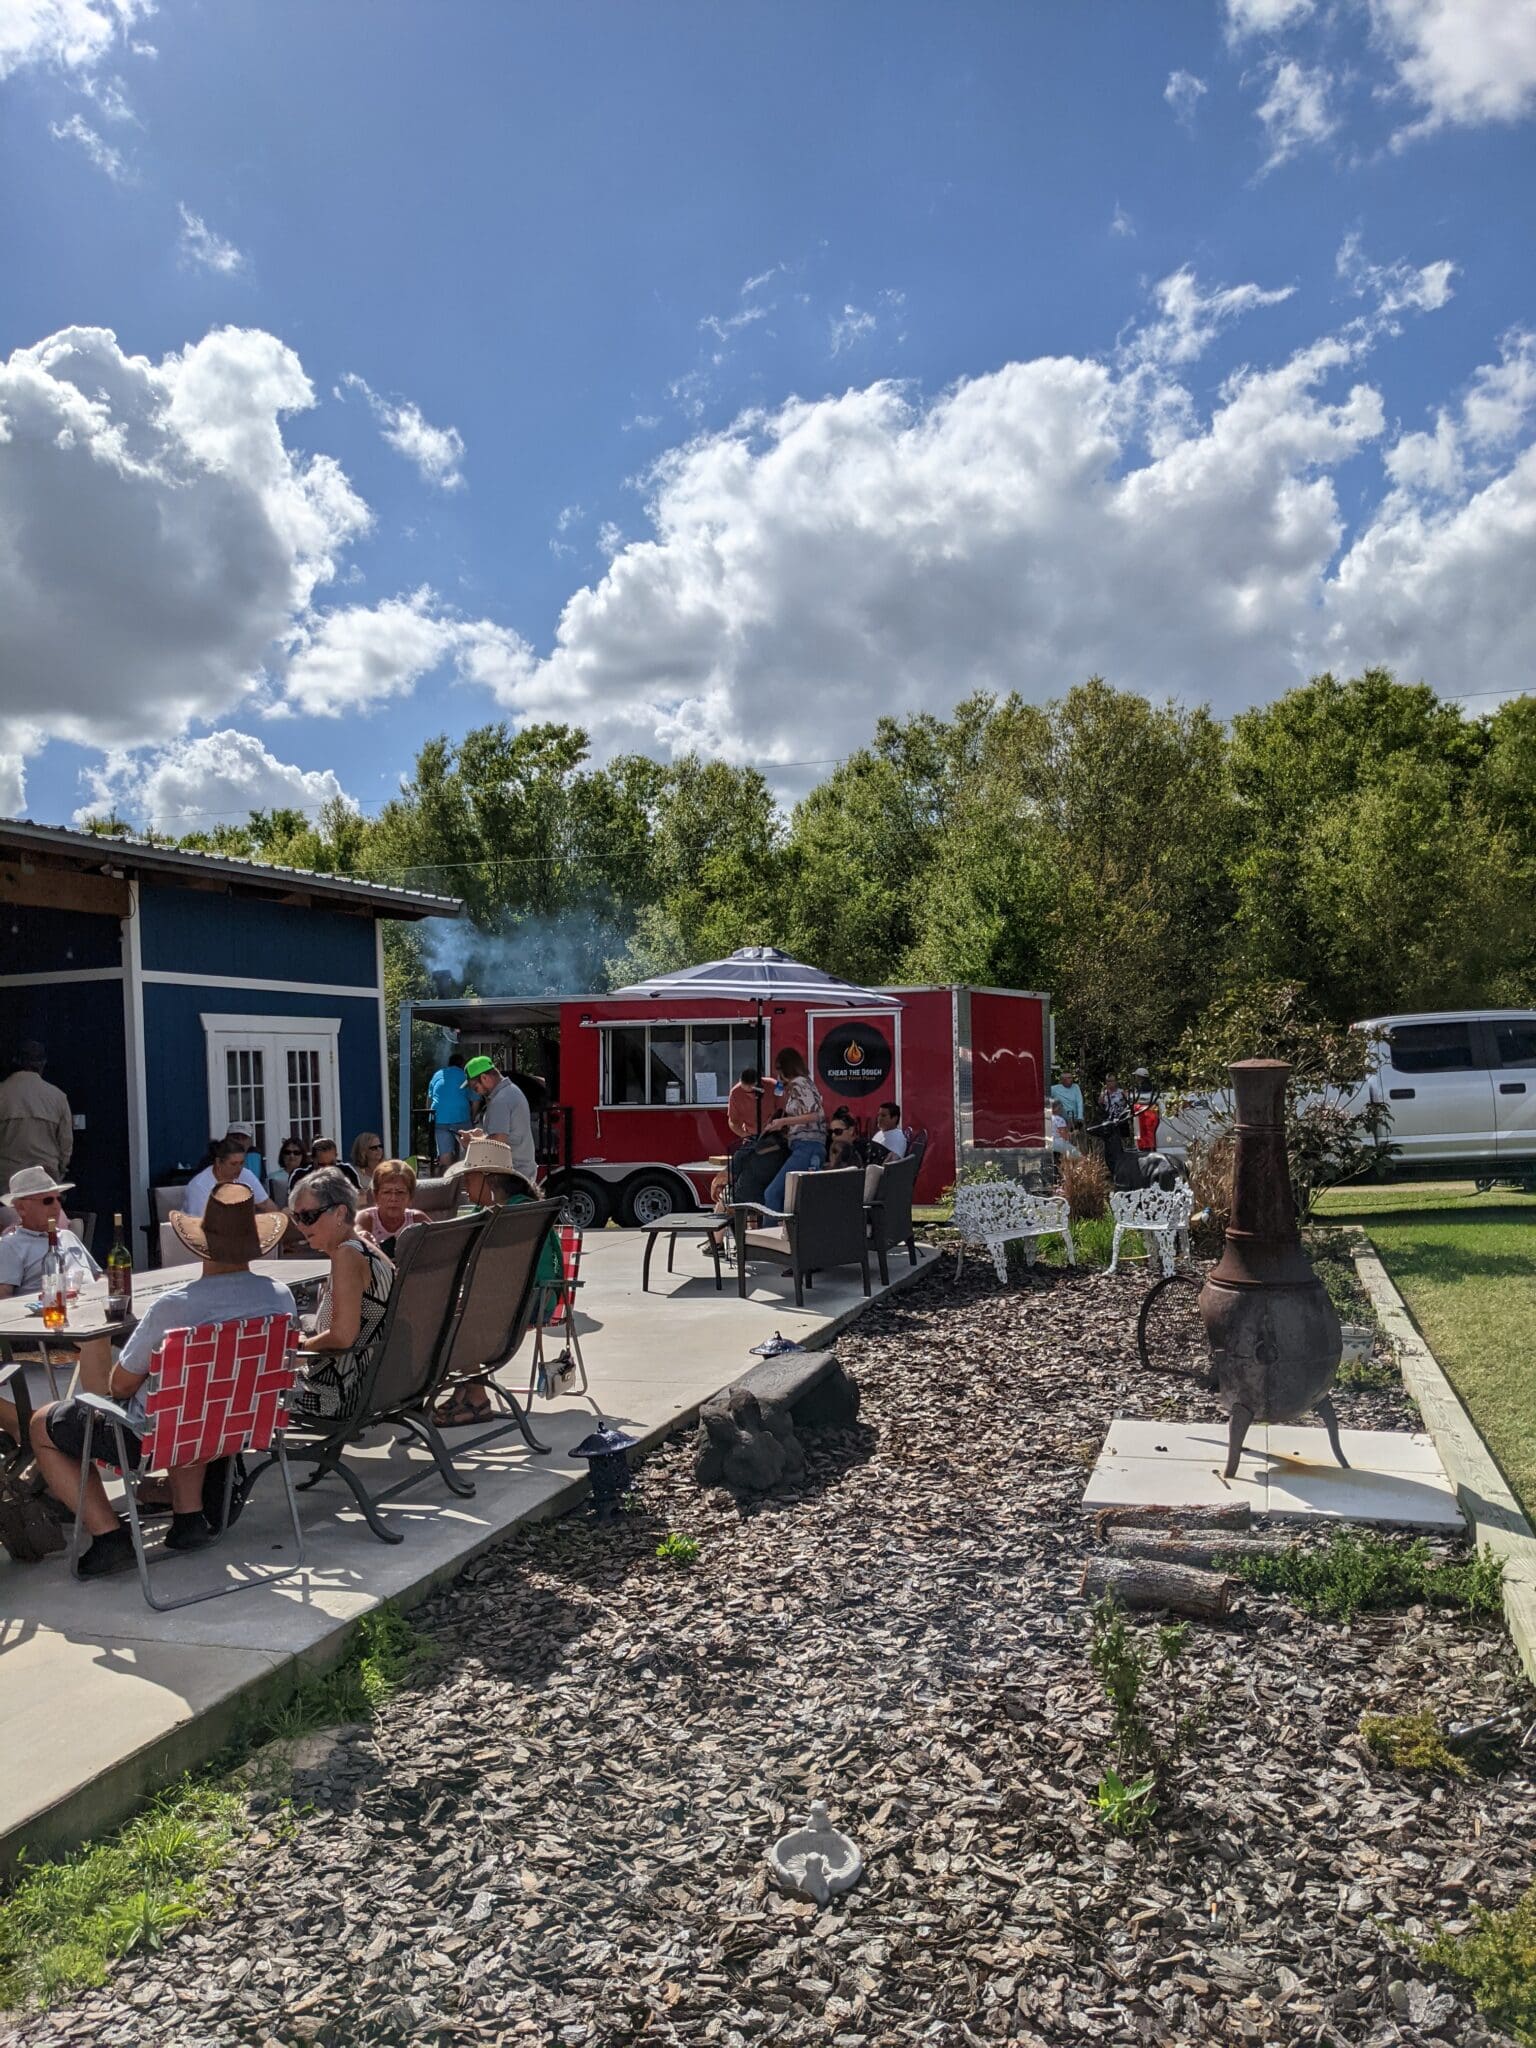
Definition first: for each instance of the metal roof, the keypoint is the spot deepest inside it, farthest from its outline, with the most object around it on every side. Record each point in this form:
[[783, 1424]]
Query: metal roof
[[132, 856], [490, 1013]]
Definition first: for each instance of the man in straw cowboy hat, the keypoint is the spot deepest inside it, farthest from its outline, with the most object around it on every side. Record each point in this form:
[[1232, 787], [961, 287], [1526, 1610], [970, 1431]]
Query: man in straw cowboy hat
[[229, 1235]]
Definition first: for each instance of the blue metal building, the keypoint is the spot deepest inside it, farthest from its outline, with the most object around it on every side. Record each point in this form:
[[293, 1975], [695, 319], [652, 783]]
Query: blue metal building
[[177, 993]]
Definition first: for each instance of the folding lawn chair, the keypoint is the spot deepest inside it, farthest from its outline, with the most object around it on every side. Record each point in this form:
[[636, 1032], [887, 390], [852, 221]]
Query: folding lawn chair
[[217, 1391]]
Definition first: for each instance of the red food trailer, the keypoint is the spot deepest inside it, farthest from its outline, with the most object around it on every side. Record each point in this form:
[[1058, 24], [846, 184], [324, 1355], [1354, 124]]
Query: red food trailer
[[634, 1116]]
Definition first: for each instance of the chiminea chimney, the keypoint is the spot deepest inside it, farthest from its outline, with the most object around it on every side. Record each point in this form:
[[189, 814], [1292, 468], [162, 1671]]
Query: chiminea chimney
[[1273, 1332]]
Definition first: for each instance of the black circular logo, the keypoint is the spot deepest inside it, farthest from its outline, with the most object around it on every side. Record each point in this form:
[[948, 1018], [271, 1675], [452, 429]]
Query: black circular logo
[[854, 1059]]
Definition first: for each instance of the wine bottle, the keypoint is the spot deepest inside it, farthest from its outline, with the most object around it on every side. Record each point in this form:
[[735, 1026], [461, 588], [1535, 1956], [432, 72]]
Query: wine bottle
[[119, 1274], [55, 1288]]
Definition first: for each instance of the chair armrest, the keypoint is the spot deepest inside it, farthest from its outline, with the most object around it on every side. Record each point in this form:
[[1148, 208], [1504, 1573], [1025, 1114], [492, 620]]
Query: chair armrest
[[778, 1215], [102, 1406], [9, 1372]]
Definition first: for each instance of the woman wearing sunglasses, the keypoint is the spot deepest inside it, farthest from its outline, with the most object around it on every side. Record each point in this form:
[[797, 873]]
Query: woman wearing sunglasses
[[349, 1316], [289, 1167]]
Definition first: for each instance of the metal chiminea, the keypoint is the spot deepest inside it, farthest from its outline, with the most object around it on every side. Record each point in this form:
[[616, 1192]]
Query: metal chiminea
[[1274, 1336]]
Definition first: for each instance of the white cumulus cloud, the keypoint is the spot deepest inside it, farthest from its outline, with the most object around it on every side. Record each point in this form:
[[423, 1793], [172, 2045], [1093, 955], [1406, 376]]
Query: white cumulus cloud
[[201, 247], [437, 452], [1265, 17], [195, 784], [72, 34], [1464, 61]]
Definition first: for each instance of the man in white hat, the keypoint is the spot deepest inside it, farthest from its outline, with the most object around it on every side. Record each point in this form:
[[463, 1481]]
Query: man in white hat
[[228, 1237], [38, 1200]]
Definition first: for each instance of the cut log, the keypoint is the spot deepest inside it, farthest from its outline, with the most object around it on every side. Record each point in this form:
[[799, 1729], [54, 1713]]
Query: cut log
[[1144, 1582], [1198, 1548], [1232, 1515]]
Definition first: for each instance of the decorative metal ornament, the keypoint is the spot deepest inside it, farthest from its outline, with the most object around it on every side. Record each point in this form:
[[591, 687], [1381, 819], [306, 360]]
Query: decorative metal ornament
[[1274, 1334]]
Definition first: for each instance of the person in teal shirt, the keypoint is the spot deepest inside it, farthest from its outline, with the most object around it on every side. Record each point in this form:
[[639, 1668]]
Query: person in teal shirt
[[1068, 1098], [448, 1093]]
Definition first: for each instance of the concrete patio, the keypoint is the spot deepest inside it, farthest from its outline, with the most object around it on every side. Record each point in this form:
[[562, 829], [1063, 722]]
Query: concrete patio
[[103, 1699]]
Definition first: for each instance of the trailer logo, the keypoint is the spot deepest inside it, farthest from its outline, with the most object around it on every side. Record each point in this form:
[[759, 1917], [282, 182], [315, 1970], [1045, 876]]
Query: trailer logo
[[854, 1059]]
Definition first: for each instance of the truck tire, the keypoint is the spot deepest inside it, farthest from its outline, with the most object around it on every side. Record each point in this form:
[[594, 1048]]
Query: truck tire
[[586, 1202], [648, 1197]]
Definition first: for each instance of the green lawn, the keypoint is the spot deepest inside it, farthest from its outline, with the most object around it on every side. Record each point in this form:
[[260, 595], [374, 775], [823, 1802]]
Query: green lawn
[[1466, 1266]]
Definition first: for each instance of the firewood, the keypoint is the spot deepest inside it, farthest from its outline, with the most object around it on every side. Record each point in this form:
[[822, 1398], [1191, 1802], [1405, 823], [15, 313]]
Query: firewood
[[1232, 1515], [1143, 1582], [1198, 1548]]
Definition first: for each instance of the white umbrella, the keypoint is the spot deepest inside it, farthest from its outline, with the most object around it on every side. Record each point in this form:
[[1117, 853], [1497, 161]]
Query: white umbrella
[[761, 975]]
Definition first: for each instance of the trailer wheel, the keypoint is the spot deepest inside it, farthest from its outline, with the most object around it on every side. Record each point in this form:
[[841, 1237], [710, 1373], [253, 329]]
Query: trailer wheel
[[647, 1198], [586, 1202]]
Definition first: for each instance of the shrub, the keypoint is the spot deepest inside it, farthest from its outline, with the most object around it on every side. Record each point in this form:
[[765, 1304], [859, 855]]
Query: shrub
[[678, 1549], [1085, 1183], [1496, 1960], [1367, 1573], [1209, 1167], [1411, 1742]]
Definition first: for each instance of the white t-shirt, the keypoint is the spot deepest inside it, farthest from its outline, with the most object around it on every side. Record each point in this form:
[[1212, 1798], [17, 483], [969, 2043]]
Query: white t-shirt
[[202, 1185], [895, 1142], [22, 1253]]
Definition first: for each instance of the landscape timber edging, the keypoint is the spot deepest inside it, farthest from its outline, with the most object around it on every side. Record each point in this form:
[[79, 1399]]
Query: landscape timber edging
[[1481, 1488]]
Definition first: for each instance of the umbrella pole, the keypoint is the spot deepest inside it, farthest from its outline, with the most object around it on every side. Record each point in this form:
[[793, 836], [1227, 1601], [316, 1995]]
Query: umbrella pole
[[759, 1067]]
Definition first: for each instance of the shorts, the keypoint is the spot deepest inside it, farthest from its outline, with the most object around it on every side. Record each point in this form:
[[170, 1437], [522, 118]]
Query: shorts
[[66, 1432], [446, 1138]]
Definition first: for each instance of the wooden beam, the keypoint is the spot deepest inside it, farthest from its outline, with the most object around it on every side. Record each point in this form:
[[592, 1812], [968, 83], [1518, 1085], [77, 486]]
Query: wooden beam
[[28, 884]]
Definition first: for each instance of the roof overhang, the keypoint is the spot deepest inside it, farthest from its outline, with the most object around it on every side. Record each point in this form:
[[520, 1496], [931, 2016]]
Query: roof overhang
[[56, 848]]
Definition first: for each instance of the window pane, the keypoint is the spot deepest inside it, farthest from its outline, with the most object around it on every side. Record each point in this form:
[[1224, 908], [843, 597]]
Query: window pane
[[1516, 1044], [245, 1093], [625, 1064], [669, 1065], [712, 1069], [305, 1110], [1432, 1048]]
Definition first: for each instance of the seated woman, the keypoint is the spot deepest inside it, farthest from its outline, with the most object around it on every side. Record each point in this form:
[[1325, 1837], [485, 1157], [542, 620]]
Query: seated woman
[[844, 1145], [394, 1183], [488, 1180], [291, 1161], [338, 1352], [367, 1157]]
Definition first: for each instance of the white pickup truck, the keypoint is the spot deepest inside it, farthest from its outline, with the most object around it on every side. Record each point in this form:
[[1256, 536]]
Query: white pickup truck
[[1459, 1087]]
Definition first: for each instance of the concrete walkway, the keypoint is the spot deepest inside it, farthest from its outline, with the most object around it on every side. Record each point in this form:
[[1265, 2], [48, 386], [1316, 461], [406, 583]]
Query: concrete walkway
[[102, 1699]]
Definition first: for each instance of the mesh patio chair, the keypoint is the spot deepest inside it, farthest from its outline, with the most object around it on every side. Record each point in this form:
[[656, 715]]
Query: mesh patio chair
[[559, 1303], [501, 1293], [219, 1390], [432, 1261]]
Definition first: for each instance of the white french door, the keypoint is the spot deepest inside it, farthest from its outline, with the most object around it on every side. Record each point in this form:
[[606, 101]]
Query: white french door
[[276, 1074]]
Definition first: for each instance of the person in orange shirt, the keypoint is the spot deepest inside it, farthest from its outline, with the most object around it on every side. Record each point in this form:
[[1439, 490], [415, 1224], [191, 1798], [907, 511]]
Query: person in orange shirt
[[741, 1108]]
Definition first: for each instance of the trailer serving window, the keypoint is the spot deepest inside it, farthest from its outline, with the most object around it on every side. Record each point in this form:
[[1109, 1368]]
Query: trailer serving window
[[654, 1065]]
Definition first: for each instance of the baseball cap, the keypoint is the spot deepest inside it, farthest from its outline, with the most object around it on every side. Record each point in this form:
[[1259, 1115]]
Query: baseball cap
[[479, 1065]]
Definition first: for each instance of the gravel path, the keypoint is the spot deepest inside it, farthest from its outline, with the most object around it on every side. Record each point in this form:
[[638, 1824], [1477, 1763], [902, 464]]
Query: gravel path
[[557, 1833]]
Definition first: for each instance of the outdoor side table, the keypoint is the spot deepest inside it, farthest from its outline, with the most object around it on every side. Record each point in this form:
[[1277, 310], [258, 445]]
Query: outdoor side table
[[672, 1228]]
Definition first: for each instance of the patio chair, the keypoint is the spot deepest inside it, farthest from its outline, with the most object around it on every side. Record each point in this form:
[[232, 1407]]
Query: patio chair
[[559, 1302], [501, 1295], [163, 1199], [218, 1391], [997, 1213], [1158, 1216], [888, 1205], [432, 1264], [821, 1225]]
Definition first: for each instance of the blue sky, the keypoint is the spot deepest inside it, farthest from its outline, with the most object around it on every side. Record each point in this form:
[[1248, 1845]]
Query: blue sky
[[723, 377]]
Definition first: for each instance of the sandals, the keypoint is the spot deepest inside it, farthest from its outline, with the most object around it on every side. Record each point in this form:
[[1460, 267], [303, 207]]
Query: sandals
[[458, 1412]]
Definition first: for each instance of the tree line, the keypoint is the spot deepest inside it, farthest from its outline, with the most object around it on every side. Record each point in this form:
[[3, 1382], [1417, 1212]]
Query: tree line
[[1144, 863]]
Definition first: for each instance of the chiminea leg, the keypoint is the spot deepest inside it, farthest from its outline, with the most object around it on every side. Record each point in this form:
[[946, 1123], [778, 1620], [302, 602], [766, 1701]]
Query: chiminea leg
[[1330, 1422], [1237, 1429]]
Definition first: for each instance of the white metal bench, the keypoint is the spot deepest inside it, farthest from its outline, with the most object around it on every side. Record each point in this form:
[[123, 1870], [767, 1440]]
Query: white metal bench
[[1158, 1216], [999, 1213]]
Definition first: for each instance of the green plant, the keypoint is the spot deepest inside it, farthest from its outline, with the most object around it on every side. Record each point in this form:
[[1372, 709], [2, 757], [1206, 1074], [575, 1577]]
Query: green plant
[[1496, 1960], [384, 1651], [1361, 1375], [1411, 1742], [678, 1549], [1128, 1809], [1361, 1573], [63, 1923]]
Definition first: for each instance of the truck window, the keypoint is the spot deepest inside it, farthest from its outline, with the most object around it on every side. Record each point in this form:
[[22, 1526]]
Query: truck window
[[697, 1062], [1516, 1044], [1432, 1048], [624, 1069]]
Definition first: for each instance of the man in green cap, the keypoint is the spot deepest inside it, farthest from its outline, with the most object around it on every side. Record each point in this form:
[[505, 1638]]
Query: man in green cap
[[503, 1112]]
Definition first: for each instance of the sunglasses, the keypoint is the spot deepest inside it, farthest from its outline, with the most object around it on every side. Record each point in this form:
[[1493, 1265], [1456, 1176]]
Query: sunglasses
[[308, 1217], [50, 1201]]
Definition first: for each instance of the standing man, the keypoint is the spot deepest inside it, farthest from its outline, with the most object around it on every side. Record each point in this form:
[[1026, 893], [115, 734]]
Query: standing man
[[35, 1124], [504, 1113], [448, 1093], [1068, 1098]]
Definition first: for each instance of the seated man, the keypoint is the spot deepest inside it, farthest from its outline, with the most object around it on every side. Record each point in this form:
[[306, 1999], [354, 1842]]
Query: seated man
[[38, 1200], [324, 1152], [228, 1169], [229, 1236], [889, 1137]]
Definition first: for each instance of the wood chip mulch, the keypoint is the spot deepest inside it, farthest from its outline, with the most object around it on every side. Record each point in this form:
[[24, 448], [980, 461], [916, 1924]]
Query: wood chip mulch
[[556, 1833]]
